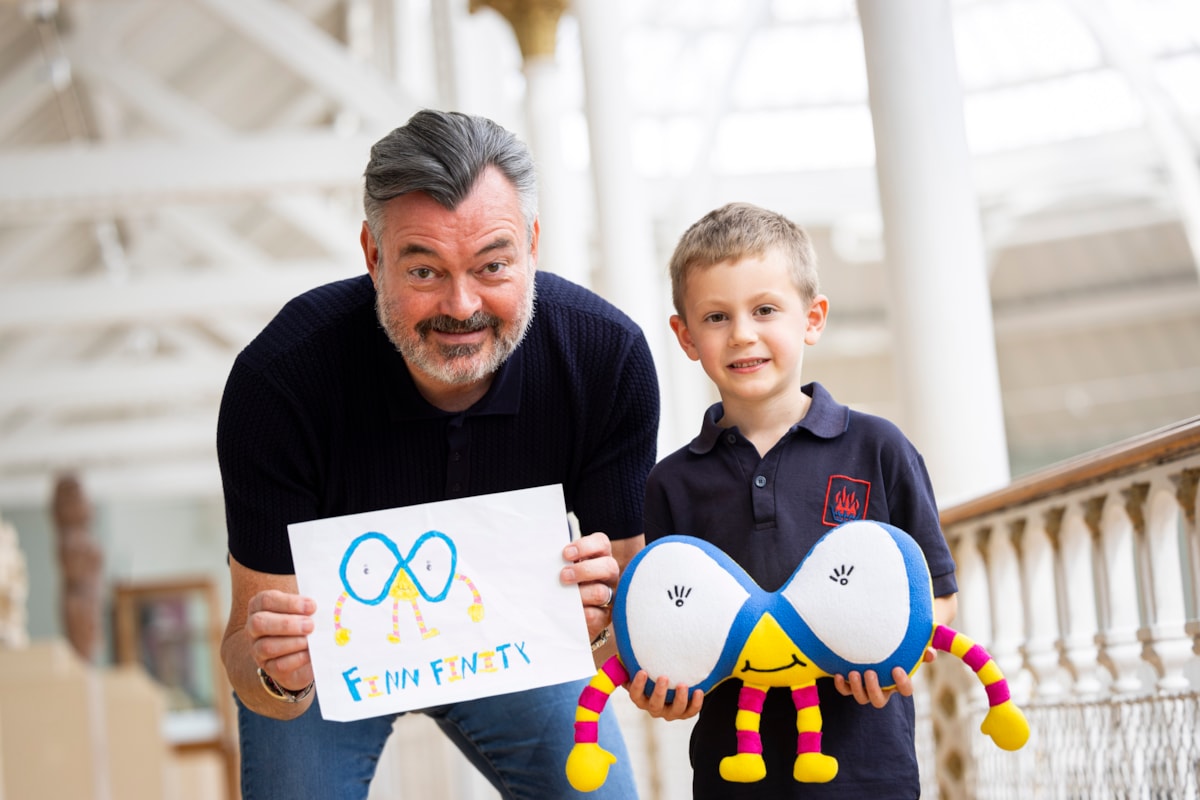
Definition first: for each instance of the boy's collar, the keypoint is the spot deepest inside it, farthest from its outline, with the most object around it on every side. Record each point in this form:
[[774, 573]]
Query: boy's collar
[[826, 419]]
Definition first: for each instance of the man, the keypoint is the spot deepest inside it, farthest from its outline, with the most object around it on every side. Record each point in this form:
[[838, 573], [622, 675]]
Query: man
[[452, 369]]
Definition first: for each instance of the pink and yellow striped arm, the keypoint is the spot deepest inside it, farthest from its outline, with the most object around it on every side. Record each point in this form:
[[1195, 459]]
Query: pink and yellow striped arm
[[588, 763], [1005, 723]]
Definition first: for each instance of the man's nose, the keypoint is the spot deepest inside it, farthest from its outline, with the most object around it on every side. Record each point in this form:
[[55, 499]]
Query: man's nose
[[461, 299]]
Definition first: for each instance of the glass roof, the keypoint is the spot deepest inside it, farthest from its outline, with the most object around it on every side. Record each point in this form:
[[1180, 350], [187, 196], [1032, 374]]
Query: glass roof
[[782, 86]]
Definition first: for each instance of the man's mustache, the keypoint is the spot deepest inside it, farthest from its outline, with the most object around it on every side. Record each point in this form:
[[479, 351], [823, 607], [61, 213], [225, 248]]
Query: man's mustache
[[443, 323]]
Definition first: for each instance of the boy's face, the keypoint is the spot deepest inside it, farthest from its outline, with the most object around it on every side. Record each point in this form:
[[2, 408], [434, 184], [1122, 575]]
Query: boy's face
[[747, 325]]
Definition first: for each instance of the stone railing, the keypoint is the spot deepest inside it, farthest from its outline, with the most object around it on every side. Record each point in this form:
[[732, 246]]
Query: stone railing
[[1082, 580]]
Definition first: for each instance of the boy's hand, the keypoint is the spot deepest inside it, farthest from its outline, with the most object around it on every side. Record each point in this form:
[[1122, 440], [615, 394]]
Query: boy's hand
[[865, 688], [680, 707]]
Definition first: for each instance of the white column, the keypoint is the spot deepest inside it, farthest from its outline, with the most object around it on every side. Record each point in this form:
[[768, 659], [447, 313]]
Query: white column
[[629, 274], [563, 246], [940, 310]]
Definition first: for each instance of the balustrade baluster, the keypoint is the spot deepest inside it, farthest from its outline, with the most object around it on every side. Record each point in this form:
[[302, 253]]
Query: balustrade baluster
[[1078, 573], [1121, 651], [1042, 611]]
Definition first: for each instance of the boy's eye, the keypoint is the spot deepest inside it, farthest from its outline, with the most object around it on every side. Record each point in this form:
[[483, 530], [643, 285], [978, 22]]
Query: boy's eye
[[716, 316], [765, 311]]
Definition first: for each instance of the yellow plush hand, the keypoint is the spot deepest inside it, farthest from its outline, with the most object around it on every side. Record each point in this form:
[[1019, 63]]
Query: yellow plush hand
[[342, 636], [1006, 725], [587, 766], [476, 612]]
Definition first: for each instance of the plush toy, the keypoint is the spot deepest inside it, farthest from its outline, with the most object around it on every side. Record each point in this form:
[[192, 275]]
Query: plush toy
[[862, 599]]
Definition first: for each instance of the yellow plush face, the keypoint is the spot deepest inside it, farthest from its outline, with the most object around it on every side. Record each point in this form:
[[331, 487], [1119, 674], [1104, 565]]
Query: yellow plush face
[[771, 658]]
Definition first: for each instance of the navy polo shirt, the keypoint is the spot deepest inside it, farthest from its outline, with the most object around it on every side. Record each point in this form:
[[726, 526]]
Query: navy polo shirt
[[320, 418], [767, 512]]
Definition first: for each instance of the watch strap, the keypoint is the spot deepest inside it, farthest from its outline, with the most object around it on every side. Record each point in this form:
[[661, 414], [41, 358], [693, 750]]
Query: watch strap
[[280, 693]]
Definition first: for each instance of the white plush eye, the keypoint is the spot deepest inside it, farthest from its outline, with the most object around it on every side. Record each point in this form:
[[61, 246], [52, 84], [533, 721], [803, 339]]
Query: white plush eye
[[369, 568], [431, 563], [853, 592], [680, 607]]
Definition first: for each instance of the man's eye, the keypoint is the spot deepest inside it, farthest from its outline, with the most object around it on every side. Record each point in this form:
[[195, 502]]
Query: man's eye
[[421, 273], [493, 268]]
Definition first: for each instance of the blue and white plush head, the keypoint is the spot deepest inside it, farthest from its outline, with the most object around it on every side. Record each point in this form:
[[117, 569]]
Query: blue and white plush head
[[860, 600]]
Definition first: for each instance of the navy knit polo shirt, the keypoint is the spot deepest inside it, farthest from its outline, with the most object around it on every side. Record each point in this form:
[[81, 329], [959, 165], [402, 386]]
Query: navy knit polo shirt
[[321, 418]]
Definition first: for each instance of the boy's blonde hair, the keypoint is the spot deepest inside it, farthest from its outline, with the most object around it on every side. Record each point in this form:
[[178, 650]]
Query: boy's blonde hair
[[742, 230]]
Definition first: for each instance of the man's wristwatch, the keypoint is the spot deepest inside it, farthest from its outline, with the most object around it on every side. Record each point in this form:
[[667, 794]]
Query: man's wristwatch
[[280, 693], [600, 640]]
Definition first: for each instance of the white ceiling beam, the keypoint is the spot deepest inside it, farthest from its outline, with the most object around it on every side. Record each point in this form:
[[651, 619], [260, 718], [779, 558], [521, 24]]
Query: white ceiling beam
[[315, 56], [57, 389], [116, 442], [69, 304], [25, 248], [42, 183], [170, 478], [179, 116], [25, 87]]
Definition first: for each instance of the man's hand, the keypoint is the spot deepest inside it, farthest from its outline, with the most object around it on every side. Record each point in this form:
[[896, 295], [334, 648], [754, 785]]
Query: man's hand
[[268, 620], [276, 625], [592, 567], [681, 706]]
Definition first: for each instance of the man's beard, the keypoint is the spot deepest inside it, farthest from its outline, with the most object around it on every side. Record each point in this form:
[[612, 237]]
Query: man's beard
[[459, 364]]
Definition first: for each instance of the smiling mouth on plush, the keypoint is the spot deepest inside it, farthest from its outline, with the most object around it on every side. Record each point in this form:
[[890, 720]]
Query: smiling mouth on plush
[[796, 662]]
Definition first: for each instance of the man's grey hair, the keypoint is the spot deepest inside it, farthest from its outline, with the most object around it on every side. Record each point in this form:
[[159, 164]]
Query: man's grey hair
[[443, 153]]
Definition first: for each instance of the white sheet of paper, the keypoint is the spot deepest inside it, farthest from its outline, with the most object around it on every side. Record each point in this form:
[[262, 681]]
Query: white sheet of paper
[[431, 604]]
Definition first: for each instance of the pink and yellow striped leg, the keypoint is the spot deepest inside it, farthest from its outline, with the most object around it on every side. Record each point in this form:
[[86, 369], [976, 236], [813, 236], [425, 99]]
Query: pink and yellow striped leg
[[426, 633], [1004, 721], [394, 636], [748, 765], [588, 763], [812, 766]]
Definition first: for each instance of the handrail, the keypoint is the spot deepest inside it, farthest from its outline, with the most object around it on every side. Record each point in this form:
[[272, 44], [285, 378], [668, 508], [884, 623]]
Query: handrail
[[1171, 441]]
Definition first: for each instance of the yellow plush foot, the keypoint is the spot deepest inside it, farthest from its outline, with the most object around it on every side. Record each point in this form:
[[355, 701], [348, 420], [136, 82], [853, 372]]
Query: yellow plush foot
[[429, 634], [815, 768], [743, 768], [393, 638], [342, 636], [1006, 725], [476, 612], [587, 766]]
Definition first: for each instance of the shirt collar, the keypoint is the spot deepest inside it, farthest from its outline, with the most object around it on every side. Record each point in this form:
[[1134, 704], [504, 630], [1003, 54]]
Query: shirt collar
[[826, 419], [503, 396]]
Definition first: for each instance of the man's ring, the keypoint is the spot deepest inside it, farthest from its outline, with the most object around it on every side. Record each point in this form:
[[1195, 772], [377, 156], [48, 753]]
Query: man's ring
[[607, 602]]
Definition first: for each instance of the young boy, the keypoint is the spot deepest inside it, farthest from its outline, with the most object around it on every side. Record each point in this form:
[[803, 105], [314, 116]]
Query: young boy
[[776, 465]]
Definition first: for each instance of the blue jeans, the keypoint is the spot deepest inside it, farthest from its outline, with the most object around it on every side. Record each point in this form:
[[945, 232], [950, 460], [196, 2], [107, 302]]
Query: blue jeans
[[518, 741]]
